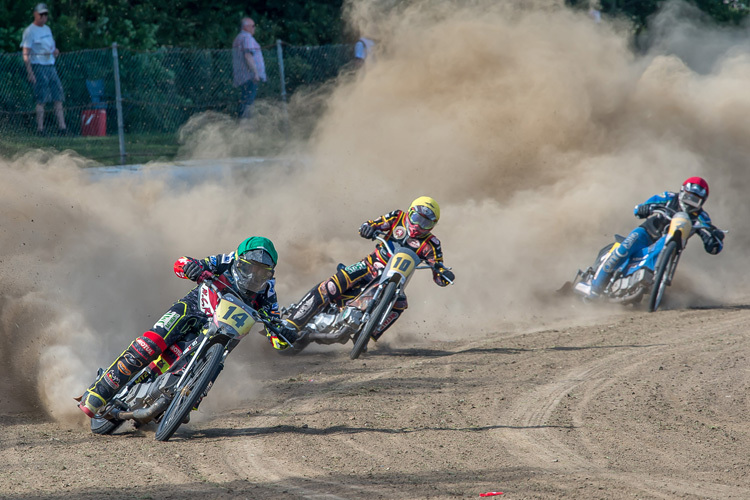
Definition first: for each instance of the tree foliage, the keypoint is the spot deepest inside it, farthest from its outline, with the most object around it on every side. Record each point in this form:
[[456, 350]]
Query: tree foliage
[[145, 25], [722, 11]]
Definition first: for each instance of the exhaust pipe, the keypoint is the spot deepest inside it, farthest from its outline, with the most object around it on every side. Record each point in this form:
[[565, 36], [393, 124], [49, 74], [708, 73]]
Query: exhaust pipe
[[143, 415]]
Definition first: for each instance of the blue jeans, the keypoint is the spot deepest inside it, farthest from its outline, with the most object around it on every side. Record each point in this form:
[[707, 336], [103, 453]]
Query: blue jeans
[[248, 91]]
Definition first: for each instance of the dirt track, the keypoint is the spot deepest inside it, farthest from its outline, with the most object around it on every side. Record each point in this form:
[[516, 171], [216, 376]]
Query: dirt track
[[629, 405]]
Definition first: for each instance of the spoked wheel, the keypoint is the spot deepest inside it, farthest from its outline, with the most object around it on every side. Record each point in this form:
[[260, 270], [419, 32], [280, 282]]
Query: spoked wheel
[[663, 271], [202, 373], [364, 336]]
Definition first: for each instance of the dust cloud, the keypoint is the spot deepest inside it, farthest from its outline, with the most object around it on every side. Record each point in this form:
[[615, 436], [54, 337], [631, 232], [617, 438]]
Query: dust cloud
[[536, 129]]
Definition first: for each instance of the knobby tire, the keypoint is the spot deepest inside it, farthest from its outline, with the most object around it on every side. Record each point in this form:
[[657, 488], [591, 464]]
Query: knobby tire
[[663, 268], [201, 374], [103, 426], [384, 304]]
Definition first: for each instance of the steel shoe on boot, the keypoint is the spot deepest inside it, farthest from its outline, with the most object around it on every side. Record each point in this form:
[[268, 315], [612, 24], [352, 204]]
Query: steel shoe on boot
[[91, 402], [586, 290]]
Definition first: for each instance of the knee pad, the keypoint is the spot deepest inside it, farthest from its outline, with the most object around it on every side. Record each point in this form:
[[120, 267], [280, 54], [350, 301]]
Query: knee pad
[[162, 363], [637, 238], [331, 289]]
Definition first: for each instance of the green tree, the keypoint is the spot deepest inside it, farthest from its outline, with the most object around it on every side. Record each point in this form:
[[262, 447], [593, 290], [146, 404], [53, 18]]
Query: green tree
[[723, 12], [146, 25]]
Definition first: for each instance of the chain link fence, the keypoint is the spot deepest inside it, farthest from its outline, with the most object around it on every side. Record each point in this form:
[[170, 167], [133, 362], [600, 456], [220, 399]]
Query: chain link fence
[[123, 105]]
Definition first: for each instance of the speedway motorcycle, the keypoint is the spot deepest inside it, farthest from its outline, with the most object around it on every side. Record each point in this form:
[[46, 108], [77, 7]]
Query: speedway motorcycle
[[647, 272], [170, 397], [357, 318]]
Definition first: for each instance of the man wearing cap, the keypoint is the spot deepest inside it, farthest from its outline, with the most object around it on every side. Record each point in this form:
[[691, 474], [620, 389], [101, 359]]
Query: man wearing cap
[[248, 66], [39, 53]]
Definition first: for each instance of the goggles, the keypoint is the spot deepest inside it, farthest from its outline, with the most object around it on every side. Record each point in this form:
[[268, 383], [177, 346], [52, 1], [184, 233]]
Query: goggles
[[422, 217], [696, 189], [253, 273], [691, 199]]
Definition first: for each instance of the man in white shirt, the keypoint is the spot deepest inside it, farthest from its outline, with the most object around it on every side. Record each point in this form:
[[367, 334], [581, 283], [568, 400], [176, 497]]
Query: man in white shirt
[[39, 52]]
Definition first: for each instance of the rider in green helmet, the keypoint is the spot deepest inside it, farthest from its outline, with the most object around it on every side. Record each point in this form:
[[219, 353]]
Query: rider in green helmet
[[249, 271]]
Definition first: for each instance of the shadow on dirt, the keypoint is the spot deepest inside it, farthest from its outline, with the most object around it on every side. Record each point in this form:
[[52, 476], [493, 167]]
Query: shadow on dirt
[[341, 429]]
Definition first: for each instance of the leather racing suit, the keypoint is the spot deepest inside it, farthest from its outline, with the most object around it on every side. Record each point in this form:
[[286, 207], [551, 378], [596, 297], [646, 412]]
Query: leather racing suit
[[160, 347], [349, 281], [651, 230]]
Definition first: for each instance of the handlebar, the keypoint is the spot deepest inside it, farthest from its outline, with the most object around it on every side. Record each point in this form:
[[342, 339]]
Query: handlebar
[[697, 224], [665, 210], [270, 322], [438, 267]]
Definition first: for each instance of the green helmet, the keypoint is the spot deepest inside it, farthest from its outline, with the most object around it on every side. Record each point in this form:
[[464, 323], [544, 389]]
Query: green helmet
[[260, 245], [254, 262]]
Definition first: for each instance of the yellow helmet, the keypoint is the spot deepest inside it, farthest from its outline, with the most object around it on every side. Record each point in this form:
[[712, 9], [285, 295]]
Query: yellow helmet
[[424, 213]]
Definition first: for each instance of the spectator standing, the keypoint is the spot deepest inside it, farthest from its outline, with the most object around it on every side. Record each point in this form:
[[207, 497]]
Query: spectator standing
[[363, 51], [248, 65], [39, 53], [595, 10]]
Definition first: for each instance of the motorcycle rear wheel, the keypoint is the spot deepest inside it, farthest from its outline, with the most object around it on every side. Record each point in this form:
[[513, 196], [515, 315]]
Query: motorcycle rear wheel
[[201, 375], [663, 271], [389, 294], [104, 426]]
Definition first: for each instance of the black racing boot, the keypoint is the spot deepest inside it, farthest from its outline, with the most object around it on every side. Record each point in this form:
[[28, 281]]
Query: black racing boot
[[311, 304], [140, 353]]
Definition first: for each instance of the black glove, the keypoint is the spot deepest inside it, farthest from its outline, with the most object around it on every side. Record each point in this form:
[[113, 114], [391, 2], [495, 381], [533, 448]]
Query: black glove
[[644, 211], [367, 231], [711, 240], [448, 275], [718, 234], [193, 269]]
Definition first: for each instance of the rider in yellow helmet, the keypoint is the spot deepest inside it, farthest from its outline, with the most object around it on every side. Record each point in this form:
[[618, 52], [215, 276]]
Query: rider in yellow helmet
[[412, 228]]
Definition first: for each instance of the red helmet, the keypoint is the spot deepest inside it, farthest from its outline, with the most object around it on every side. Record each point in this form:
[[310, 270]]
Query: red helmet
[[693, 194]]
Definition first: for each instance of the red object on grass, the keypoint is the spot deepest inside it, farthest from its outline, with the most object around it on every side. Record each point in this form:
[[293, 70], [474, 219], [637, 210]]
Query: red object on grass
[[491, 494], [94, 122]]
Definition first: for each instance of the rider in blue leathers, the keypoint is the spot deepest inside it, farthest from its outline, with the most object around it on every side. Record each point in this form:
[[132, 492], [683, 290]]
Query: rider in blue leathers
[[693, 194]]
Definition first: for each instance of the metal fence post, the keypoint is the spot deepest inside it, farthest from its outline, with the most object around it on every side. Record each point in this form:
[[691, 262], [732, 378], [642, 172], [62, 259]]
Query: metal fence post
[[282, 83], [118, 101]]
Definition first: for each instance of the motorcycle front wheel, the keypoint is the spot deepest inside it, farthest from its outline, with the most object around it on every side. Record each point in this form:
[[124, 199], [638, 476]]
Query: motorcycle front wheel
[[203, 372], [663, 271], [389, 294]]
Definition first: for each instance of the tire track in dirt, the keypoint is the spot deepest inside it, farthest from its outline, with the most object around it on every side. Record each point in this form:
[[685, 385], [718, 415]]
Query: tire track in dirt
[[292, 474], [531, 439]]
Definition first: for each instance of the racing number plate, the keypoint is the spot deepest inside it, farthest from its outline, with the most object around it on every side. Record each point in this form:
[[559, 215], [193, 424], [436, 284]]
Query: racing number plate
[[232, 316]]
